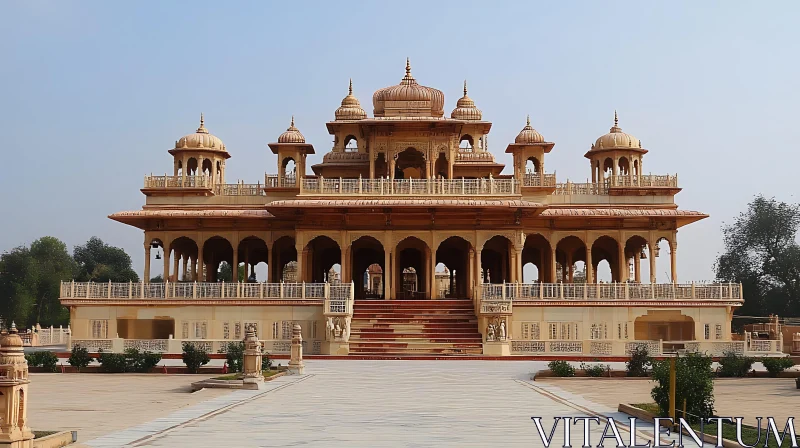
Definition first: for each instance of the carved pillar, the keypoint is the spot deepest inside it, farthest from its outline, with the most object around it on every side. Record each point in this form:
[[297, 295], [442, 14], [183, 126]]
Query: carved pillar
[[673, 261], [387, 275], [568, 268], [302, 253], [478, 268], [589, 266], [147, 263], [519, 266], [371, 165], [270, 265], [235, 266], [622, 263], [553, 266], [391, 167], [637, 268], [165, 276], [652, 248], [200, 274], [432, 273], [471, 282], [175, 265]]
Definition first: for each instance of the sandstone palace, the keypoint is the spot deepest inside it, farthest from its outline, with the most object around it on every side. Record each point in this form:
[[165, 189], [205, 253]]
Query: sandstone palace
[[411, 239]]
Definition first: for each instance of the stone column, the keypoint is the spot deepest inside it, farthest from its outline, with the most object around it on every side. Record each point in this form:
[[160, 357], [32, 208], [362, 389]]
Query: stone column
[[553, 266], [346, 275], [589, 266], [251, 365], [14, 430], [146, 263], [568, 267], [652, 248], [432, 272], [270, 267], [478, 268], [387, 269], [637, 269], [296, 366], [520, 278], [470, 280], [175, 265], [165, 276], [673, 261], [371, 165], [200, 276], [301, 259], [391, 168], [235, 265], [623, 263]]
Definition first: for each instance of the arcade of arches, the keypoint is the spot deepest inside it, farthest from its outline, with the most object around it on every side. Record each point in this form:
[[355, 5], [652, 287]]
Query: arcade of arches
[[395, 265]]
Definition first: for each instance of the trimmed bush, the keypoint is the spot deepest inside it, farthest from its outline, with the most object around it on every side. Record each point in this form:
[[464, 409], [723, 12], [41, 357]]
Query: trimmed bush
[[131, 361], [47, 360], [595, 370], [640, 362], [561, 368], [733, 364], [776, 365], [79, 357], [694, 382], [194, 357]]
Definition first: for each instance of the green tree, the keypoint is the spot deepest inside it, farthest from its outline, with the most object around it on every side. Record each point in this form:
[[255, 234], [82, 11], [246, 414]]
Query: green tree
[[99, 262], [30, 282], [762, 253], [157, 279], [224, 272]]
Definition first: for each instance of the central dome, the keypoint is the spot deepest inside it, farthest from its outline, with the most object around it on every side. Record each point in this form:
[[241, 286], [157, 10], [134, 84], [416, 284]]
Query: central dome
[[201, 139], [408, 99]]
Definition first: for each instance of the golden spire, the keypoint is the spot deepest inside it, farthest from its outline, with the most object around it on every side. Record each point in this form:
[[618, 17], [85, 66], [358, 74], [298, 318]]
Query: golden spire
[[465, 87], [350, 91], [202, 129]]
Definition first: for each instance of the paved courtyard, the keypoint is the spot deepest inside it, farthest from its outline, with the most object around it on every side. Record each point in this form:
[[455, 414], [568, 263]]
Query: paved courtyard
[[337, 403]]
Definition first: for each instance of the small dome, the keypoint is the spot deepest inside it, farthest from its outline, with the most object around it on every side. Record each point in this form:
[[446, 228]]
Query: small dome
[[409, 90], [292, 135], [351, 108], [528, 135], [11, 340], [616, 139], [201, 139], [465, 108]]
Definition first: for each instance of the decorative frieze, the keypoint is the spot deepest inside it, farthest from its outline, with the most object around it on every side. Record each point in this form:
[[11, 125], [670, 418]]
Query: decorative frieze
[[600, 348], [147, 345], [566, 347], [527, 346]]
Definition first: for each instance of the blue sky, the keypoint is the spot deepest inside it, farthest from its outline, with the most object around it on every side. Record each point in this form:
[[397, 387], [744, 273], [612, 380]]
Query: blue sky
[[94, 93]]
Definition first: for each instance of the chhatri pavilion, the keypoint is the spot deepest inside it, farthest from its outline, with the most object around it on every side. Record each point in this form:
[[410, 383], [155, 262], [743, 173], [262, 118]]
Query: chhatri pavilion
[[351, 246]]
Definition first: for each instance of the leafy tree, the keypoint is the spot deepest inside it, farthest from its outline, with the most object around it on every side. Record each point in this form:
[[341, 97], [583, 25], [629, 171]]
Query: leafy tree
[[694, 381], [157, 279], [762, 253], [99, 262], [30, 282], [224, 273]]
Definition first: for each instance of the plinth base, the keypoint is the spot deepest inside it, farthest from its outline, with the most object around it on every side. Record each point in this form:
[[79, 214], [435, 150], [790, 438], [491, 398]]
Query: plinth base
[[335, 348], [497, 348]]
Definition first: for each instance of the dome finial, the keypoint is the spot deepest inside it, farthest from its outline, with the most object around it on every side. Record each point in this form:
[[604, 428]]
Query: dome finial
[[616, 120], [202, 129], [465, 87], [292, 124], [350, 90], [529, 120], [408, 67]]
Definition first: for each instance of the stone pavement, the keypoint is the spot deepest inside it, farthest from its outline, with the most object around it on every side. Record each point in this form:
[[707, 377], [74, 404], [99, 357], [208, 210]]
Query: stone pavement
[[376, 404]]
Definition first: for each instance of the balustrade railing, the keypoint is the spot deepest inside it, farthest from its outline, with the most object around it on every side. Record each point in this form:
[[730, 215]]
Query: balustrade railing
[[610, 291], [539, 180], [196, 181], [410, 187], [276, 181], [618, 181], [192, 290], [240, 189]]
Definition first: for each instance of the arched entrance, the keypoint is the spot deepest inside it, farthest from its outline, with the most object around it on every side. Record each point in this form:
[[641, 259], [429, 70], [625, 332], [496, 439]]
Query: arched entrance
[[215, 250], [283, 253], [251, 252], [495, 260], [322, 253], [635, 249], [537, 252], [410, 164], [412, 260], [454, 253], [367, 261], [607, 248], [184, 251], [568, 251], [665, 325]]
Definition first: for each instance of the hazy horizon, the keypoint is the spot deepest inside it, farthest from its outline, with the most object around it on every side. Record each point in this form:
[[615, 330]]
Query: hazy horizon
[[96, 93]]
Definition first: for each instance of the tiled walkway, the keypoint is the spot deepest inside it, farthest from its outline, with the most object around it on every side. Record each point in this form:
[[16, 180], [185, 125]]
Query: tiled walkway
[[375, 404]]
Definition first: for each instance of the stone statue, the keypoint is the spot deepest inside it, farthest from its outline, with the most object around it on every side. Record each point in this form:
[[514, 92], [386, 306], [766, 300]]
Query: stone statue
[[503, 330], [337, 330], [329, 335], [490, 333], [346, 330]]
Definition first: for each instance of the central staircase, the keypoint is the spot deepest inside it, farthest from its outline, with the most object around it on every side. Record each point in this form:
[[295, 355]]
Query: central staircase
[[414, 327]]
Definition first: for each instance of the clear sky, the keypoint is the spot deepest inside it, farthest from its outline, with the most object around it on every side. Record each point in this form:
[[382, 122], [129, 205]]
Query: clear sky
[[94, 93]]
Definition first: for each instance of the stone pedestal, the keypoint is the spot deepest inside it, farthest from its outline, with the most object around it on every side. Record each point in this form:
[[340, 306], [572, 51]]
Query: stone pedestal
[[251, 365], [497, 348], [296, 366], [335, 348], [14, 430]]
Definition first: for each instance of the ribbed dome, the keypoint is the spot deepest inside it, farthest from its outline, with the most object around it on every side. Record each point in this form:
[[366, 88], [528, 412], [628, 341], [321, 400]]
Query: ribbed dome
[[292, 135], [616, 139], [351, 108], [11, 339], [465, 108], [528, 135], [409, 90], [201, 139]]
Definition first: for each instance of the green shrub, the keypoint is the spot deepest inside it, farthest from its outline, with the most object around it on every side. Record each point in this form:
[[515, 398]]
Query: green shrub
[[194, 357], [79, 357], [733, 364], [131, 361], [776, 365], [266, 362], [43, 358], [561, 368], [694, 382], [640, 362], [595, 370]]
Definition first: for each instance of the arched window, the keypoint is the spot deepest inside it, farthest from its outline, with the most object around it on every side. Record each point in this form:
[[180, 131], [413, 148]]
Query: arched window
[[466, 144], [350, 144], [532, 166]]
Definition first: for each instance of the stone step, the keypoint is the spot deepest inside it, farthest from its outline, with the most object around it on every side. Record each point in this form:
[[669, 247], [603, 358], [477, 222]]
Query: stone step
[[412, 345], [414, 351], [406, 326]]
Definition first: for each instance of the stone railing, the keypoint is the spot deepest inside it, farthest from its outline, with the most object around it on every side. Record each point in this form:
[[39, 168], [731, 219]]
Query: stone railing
[[193, 290], [275, 181], [609, 291], [346, 157], [602, 187], [198, 181], [240, 189], [539, 180], [175, 346], [409, 187]]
